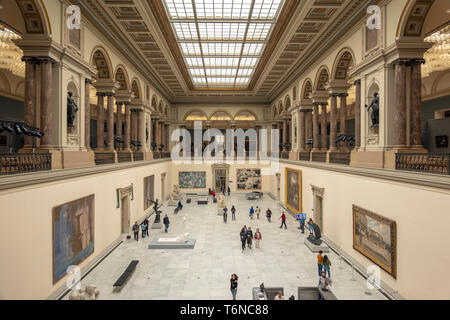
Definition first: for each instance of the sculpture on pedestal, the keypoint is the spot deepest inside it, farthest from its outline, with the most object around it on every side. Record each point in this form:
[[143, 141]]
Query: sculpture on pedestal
[[72, 109], [174, 195], [315, 234], [375, 113], [221, 203]]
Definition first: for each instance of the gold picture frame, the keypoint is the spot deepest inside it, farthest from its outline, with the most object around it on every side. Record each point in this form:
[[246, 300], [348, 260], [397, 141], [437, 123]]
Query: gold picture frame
[[375, 237], [293, 190]]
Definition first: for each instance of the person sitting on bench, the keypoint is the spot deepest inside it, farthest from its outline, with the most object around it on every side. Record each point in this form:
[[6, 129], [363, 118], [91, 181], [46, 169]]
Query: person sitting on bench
[[180, 205]]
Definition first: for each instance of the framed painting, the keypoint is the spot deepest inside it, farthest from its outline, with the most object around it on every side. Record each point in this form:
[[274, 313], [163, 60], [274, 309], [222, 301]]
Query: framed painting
[[192, 180], [149, 191], [293, 190], [248, 179], [375, 237], [73, 234]]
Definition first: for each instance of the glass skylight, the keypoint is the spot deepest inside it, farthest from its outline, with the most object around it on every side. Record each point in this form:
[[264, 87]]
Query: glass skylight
[[222, 40]]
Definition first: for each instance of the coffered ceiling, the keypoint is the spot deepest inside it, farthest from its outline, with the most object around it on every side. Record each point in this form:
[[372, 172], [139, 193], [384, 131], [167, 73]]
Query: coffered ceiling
[[237, 50]]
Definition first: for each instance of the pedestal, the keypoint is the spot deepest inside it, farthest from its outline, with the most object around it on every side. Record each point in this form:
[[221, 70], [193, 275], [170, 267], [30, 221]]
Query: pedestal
[[316, 248]]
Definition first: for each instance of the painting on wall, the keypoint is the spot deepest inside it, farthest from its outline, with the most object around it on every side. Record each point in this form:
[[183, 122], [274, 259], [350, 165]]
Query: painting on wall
[[73, 234], [192, 179], [293, 190], [376, 238], [149, 191], [248, 179]]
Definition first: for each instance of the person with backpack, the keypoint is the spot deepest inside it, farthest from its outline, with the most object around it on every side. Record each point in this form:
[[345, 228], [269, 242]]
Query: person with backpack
[[258, 237], [233, 213], [326, 265], [252, 211], [144, 229], [268, 214], [249, 237], [243, 235], [225, 214]]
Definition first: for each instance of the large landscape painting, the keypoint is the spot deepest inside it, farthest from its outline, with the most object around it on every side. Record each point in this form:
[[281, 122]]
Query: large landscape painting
[[248, 179], [376, 238], [73, 234], [192, 180], [293, 191], [149, 191]]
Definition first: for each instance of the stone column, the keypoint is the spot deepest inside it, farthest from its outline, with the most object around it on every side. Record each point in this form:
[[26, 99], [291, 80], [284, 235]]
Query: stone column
[[324, 137], [285, 135], [416, 103], [47, 124], [316, 128], [343, 113], [358, 114], [308, 125], [110, 122], [333, 122], [100, 121], [141, 129], [119, 132], [87, 114], [127, 139], [400, 103], [134, 124], [30, 97], [157, 135], [301, 131]]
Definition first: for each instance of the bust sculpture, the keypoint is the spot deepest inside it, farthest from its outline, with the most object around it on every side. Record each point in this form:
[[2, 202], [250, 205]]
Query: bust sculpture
[[315, 235], [72, 109], [375, 113]]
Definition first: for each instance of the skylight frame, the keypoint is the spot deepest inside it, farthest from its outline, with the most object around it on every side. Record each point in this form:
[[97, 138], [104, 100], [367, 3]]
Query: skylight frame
[[222, 34]]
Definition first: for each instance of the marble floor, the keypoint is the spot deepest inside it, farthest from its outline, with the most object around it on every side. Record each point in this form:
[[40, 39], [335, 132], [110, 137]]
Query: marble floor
[[203, 273]]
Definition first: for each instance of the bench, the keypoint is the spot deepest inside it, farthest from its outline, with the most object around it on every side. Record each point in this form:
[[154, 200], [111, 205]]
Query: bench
[[120, 283]]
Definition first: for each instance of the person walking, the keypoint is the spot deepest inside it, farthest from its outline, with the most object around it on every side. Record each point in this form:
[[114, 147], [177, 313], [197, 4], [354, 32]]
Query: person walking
[[243, 235], [252, 211], [258, 237], [283, 220], [326, 265], [136, 231], [302, 225], [233, 213], [214, 193], [268, 214], [319, 263], [166, 222], [146, 222], [258, 211], [143, 228], [234, 285], [229, 191], [225, 214], [249, 237]]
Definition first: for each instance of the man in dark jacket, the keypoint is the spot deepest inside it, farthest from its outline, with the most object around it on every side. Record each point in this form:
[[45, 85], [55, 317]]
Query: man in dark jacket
[[243, 235], [136, 231], [166, 222]]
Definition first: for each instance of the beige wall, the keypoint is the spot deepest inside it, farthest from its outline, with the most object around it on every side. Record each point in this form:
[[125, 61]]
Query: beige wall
[[422, 218], [26, 225]]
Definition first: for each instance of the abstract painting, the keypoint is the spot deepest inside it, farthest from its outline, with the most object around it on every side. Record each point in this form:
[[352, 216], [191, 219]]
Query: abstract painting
[[192, 180], [149, 191], [73, 234], [248, 179], [293, 190], [376, 238]]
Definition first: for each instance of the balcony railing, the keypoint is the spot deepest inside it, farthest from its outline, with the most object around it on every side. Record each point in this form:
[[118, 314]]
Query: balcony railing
[[104, 158], [124, 157], [428, 163], [304, 156], [24, 162], [138, 156], [319, 156], [340, 158], [165, 155]]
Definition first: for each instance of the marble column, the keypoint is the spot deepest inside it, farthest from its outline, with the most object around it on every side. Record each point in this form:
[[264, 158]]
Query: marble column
[[141, 129], [100, 121], [358, 114], [285, 135], [343, 98], [119, 132], [400, 103], [324, 136], [127, 139], [333, 122], [157, 135], [301, 131], [416, 103], [168, 137], [316, 128], [87, 114], [110, 122], [308, 125], [134, 123], [30, 96], [47, 124]]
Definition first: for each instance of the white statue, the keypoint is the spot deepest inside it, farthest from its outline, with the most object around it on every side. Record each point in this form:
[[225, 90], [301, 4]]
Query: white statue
[[89, 293], [176, 191], [221, 203]]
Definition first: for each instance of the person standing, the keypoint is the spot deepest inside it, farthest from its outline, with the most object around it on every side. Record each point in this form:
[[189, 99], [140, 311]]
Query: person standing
[[229, 191], [258, 237], [166, 222], [258, 211], [326, 265], [214, 193], [302, 225], [249, 237], [252, 211], [268, 214], [324, 281], [233, 213], [146, 222], [243, 235], [319, 262], [143, 228], [225, 214], [136, 231], [234, 285], [283, 220]]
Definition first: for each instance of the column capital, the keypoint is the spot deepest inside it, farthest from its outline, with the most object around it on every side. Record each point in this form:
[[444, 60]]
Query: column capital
[[343, 95], [109, 94], [357, 82], [30, 59], [102, 94], [400, 61], [46, 59], [87, 81], [417, 61]]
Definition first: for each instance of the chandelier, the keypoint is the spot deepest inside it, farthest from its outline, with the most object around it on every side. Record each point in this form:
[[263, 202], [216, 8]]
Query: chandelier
[[438, 56], [10, 54]]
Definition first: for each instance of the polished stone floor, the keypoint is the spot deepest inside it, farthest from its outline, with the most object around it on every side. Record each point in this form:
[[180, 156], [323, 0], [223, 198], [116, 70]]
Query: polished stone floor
[[204, 272]]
